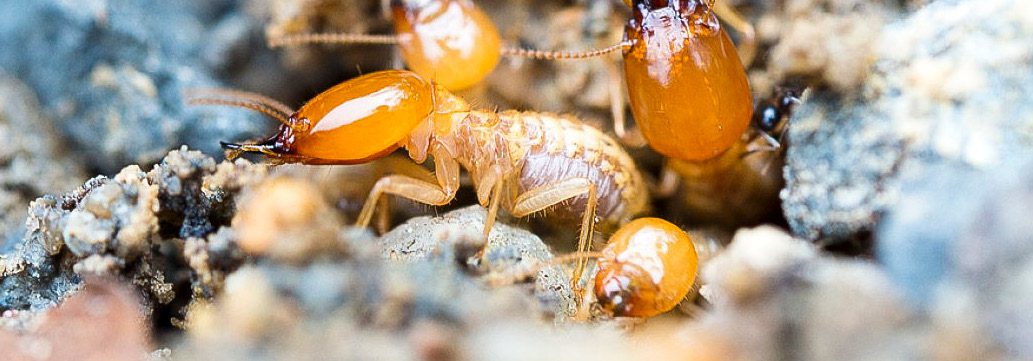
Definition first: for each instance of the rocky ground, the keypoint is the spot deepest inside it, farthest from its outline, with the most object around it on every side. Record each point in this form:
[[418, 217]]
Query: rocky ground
[[904, 229]]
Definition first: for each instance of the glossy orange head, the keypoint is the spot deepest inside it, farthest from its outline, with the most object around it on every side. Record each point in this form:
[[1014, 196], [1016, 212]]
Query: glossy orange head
[[355, 121], [449, 41], [648, 266], [687, 86]]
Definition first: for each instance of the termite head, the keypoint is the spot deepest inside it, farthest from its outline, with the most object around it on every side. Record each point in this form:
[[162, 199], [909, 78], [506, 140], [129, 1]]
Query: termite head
[[772, 116], [647, 267], [681, 56], [452, 42], [279, 144], [359, 120], [693, 16], [622, 289]]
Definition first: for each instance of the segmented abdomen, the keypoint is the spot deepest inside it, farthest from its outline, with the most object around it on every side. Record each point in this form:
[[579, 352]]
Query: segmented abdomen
[[557, 147]]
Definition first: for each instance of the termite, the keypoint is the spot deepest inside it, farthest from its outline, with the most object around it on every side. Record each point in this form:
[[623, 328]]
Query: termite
[[739, 187], [692, 102], [688, 88], [452, 42], [647, 268], [771, 118], [526, 162]]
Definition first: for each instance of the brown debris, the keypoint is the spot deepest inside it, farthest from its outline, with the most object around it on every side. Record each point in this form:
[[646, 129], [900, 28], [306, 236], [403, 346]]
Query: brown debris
[[103, 322], [286, 219]]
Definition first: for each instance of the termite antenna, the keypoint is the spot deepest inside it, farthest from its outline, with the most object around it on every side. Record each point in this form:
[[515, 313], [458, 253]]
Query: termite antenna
[[748, 36], [563, 55], [258, 107], [231, 146], [521, 273], [241, 95], [331, 38]]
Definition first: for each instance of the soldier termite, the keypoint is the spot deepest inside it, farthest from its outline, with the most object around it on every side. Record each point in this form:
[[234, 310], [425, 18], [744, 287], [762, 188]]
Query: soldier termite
[[524, 162], [692, 102]]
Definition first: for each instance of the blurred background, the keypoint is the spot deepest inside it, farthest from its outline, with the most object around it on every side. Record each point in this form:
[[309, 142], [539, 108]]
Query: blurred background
[[902, 229]]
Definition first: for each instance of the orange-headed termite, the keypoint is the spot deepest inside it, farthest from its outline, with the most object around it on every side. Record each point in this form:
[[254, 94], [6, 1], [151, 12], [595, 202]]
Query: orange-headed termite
[[741, 186], [525, 162], [452, 42], [688, 88], [692, 102], [648, 266]]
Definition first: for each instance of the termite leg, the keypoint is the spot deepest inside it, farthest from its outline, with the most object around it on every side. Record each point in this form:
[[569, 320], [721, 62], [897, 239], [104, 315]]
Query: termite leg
[[771, 145], [385, 9], [415, 189], [384, 217], [489, 191], [748, 36], [493, 212], [668, 184], [633, 138], [771, 148], [405, 187], [548, 195], [401, 165]]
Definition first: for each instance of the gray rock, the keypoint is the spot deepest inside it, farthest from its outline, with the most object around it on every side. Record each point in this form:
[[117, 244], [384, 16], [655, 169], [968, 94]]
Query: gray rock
[[32, 159], [936, 96], [992, 261], [360, 305], [959, 245], [454, 237], [111, 73]]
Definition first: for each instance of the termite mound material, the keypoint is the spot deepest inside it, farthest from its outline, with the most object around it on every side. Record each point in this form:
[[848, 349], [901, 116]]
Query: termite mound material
[[176, 232], [156, 230], [70, 331], [110, 73]]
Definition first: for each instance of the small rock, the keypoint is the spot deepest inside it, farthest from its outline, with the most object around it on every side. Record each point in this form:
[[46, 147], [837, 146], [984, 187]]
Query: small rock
[[509, 248]]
